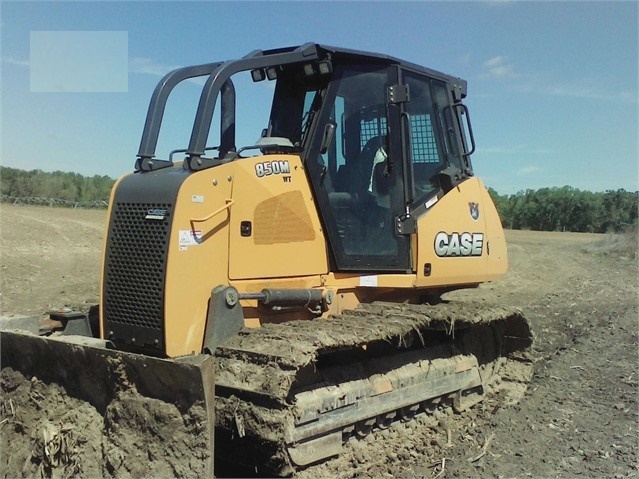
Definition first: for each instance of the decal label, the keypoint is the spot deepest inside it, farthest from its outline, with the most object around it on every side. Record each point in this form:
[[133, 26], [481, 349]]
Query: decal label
[[459, 244], [189, 238], [268, 168], [431, 202], [368, 281]]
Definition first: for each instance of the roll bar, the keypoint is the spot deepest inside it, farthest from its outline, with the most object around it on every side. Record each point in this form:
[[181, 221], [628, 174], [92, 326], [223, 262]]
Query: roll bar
[[158, 103], [219, 75]]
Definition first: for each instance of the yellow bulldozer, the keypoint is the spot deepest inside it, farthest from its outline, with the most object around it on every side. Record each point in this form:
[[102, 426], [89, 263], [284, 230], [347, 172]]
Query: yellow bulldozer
[[284, 296]]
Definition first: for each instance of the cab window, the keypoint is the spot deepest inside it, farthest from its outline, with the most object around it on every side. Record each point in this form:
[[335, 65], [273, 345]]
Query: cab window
[[426, 153]]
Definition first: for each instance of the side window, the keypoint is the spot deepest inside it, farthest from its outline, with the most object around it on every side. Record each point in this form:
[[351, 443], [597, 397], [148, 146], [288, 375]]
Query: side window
[[444, 106], [310, 105], [427, 153]]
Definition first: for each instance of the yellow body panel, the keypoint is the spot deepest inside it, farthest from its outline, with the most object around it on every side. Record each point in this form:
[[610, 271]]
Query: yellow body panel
[[193, 269], [460, 248], [286, 238]]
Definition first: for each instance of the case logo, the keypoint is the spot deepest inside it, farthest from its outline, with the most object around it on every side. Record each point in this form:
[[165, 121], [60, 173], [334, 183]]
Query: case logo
[[474, 210], [155, 214], [459, 244]]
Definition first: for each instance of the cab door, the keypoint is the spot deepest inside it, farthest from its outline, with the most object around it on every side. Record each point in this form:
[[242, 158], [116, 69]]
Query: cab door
[[357, 176], [434, 148]]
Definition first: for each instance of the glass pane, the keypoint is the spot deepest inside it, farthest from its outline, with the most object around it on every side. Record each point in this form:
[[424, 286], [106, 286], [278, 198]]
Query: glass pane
[[427, 154], [296, 100], [357, 187]]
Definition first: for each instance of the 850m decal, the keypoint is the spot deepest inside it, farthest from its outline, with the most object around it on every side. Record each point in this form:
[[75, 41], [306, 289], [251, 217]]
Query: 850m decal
[[267, 168], [456, 244]]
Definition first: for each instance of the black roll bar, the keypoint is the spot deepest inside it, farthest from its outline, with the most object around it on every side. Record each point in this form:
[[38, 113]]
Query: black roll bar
[[158, 104], [256, 59], [219, 74]]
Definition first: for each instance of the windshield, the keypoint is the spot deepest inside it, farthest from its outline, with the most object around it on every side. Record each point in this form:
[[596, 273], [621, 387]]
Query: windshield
[[296, 101], [273, 116]]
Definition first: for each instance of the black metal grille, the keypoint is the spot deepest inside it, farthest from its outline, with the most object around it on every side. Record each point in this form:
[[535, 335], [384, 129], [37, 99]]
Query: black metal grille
[[371, 129], [423, 140], [135, 266]]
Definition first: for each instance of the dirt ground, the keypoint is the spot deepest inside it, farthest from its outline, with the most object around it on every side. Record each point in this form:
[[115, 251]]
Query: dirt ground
[[578, 418]]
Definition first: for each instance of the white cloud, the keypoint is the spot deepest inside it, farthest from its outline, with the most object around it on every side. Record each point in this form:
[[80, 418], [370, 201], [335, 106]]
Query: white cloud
[[582, 88], [500, 150], [148, 66], [628, 96], [465, 59], [78, 61], [494, 61], [498, 67]]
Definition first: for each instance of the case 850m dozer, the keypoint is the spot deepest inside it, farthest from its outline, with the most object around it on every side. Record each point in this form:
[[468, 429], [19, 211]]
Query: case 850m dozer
[[289, 291]]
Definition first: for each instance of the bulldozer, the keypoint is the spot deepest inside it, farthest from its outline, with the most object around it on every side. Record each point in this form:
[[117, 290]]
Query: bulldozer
[[287, 295]]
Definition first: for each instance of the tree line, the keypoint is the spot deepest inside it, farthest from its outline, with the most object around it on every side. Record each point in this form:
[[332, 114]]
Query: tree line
[[58, 184], [546, 209], [568, 209]]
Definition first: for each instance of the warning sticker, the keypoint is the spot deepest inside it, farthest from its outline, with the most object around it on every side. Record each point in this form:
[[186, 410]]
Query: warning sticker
[[368, 280], [189, 238]]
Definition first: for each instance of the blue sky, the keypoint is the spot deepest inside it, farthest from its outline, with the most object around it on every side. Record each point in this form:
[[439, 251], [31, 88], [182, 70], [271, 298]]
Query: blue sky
[[552, 85]]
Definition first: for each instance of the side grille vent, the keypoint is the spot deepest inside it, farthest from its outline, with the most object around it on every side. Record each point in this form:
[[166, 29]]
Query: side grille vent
[[134, 271], [283, 219]]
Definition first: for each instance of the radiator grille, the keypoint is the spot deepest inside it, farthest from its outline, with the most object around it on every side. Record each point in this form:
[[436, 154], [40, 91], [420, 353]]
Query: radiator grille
[[135, 266]]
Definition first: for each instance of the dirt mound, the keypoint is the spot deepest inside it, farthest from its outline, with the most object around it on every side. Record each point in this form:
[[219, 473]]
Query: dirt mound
[[53, 434], [50, 433], [92, 412]]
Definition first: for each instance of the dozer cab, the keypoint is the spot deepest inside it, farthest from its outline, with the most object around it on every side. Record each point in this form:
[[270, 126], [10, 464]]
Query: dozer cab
[[301, 273]]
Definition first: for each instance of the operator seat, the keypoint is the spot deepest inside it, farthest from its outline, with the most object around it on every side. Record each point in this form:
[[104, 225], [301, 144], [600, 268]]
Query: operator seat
[[379, 185], [366, 160], [354, 177], [353, 202]]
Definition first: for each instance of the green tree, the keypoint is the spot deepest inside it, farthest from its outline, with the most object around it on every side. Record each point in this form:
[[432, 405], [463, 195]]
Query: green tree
[[58, 184]]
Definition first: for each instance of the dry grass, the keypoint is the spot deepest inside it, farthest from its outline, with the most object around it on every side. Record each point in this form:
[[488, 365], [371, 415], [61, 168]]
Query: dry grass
[[621, 245]]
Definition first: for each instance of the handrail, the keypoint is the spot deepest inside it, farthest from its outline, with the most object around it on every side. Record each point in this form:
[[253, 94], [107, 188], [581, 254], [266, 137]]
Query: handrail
[[229, 203]]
